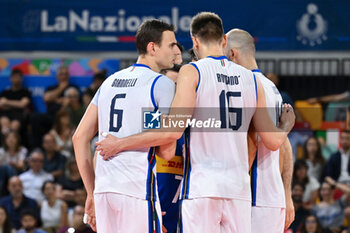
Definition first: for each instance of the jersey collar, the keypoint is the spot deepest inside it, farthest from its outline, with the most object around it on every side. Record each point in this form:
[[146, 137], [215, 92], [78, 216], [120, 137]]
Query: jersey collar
[[218, 58], [256, 70], [141, 65]]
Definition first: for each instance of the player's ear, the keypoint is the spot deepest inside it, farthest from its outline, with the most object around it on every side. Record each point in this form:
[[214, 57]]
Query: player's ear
[[224, 42], [195, 43], [233, 54], [151, 48]]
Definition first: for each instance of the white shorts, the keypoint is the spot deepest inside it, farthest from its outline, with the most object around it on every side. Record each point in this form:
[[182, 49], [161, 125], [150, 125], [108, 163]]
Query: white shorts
[[117, 213], [215, 215], [268, 220]]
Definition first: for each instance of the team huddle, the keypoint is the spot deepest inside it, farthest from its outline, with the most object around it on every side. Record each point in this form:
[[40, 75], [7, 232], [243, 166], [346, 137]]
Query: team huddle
[[235, 179]]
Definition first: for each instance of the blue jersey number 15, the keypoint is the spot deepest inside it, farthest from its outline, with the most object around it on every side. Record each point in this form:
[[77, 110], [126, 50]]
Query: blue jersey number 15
[[223, 96]]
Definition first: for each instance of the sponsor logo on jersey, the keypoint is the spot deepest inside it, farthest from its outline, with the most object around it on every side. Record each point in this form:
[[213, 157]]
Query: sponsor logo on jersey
[[173, 166]]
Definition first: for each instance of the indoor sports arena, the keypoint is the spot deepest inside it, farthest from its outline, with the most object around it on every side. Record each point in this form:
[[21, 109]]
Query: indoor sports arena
[[174, 116]]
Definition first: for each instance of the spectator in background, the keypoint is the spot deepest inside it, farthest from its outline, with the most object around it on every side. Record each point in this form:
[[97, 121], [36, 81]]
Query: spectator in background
[[13, 153], [97, 81], [311, 225], [327, 149], [72, 105], [5, 222], [63, 133], [69, 183], [6, 171], [330, 212], [53, 96], [80, 196], [336, 111], [54, 162], [310, 183], [345, 96], [312, 154], [77, 225], [14, 103], [338, 166], [53, 211], [34, 178], [29, 222], [300, 212], [17, 202]]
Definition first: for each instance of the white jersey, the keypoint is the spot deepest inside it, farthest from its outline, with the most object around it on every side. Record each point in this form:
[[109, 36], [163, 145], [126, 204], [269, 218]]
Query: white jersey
[[216, 163], [267, 185], [121, 101]]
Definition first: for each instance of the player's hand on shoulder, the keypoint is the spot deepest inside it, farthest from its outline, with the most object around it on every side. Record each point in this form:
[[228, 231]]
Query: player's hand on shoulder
[[287, 119], [108, 147]]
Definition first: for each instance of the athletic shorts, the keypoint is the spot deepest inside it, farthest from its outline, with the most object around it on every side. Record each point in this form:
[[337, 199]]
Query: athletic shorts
[[268, 219], [118, 213], [215, 215]]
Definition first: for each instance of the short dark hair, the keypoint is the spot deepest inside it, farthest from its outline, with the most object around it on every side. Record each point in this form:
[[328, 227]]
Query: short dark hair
[[207, 27], [45, 183], [298, 183], [29, 212], [16, 72], [151, 31]]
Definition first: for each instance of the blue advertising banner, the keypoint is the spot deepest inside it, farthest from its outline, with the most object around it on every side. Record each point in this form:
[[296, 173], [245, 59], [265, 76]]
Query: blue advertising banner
[[110, 25]]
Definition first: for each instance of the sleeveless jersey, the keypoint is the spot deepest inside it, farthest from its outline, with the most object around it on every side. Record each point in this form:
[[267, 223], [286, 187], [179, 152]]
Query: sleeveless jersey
[[120, 101], [216, 163], [169, 176], [267, 184]]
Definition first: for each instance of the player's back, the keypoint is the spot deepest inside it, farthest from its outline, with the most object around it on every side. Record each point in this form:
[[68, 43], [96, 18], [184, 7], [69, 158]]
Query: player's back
[[267, 185], [216, 163], [121, 100]]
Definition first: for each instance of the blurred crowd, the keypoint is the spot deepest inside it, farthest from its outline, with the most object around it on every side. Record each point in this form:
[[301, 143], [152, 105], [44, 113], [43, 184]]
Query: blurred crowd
[[40, 186], [41, 189]]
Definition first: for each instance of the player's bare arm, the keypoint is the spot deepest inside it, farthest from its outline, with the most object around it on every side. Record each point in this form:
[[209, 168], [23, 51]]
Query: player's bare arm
[[271, 136], [286, 164], [81, 141], [166, 151], [185, 98]]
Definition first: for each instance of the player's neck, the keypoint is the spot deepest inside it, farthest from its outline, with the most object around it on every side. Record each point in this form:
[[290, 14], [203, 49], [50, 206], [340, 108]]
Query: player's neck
[[212, 50], [249, 63], [148, 62]]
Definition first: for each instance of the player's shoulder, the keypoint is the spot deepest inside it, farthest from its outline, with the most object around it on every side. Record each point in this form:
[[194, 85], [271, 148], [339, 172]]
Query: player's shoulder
[[163, 82], [239, 68]]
